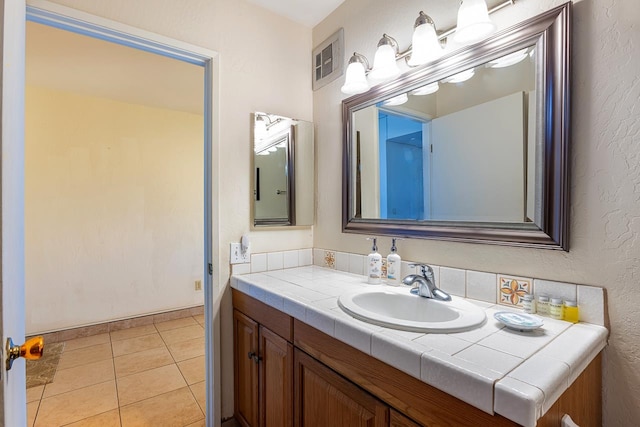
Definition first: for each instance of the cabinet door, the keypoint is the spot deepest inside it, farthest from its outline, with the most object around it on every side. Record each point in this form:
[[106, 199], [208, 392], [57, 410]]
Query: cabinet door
[[323, 398], [245, 355], [276, 380], [399, 420]]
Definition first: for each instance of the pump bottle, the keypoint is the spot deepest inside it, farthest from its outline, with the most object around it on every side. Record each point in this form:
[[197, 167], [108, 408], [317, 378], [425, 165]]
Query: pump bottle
[[394, 263], [374, 264]]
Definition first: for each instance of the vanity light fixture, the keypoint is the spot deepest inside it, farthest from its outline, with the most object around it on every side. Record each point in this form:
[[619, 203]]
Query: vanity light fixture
[[425, 46], [474, 23], [355, 81], [509, 60], [384, 62]]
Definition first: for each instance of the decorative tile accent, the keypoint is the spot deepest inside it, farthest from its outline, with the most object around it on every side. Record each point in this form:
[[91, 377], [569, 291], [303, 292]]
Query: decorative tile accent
[[383, 273], [512, 289], [329, 259]]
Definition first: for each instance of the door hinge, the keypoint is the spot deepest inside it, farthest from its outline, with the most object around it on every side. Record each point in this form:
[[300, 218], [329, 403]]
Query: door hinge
[[210, 269]]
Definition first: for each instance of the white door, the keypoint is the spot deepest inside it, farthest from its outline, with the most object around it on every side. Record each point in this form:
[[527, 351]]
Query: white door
[[12, 392]]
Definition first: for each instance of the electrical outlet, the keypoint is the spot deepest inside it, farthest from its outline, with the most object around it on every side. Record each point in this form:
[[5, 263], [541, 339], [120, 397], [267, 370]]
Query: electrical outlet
[[198, 285], [237, 256]]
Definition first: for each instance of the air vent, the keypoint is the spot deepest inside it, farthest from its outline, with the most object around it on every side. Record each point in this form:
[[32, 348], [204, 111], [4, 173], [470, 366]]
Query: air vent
[[328, 60]]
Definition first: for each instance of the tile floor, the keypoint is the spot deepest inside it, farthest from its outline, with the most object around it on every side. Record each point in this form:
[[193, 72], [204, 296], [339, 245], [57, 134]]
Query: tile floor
[[150, 375]]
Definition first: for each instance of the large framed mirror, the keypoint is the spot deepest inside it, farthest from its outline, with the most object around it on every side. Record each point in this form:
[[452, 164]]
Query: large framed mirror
[[283, 171], [473, 147]]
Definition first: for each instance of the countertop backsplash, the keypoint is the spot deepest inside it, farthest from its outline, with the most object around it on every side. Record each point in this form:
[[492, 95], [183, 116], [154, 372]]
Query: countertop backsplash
[[493, 288]]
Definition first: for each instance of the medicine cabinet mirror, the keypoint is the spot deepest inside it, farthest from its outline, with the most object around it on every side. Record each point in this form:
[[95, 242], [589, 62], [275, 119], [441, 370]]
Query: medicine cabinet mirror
[[283, 171], [472, 147]]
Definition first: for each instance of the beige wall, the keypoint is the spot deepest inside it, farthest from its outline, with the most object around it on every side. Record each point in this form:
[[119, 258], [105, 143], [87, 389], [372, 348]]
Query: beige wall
[[265, 65], [113, 209], [605, 190]]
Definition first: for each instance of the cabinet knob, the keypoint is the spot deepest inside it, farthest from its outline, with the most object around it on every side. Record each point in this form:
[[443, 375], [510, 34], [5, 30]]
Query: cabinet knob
[[254, 356]]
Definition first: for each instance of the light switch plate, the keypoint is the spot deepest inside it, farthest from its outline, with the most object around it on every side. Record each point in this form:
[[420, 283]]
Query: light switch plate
[[237, 256]]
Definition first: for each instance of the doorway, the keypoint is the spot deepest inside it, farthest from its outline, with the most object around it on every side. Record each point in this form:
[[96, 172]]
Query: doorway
[[71, 20]]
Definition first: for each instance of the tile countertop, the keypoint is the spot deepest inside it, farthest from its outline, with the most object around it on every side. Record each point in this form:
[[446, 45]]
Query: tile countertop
[[518, 375]]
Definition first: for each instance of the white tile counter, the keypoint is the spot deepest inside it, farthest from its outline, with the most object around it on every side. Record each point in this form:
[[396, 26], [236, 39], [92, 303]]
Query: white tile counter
[[518, 375]]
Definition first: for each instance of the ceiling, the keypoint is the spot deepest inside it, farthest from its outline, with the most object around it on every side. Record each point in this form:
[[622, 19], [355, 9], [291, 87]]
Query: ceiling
[[305, 12], [66, 61]]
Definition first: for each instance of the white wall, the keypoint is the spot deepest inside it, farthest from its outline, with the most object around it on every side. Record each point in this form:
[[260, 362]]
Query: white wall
[[605, 160], [113, 209], [476, 163], [265, 65]]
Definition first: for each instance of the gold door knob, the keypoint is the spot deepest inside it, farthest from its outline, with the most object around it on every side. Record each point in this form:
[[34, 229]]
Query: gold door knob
[[32, 350]]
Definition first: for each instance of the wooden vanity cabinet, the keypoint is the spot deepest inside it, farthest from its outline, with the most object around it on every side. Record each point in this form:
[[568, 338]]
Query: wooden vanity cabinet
[[307, 378], [324, 398], [263, 367]]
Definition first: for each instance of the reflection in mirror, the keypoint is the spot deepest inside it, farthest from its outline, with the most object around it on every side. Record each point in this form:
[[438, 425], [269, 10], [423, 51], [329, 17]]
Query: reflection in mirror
[[283, 168], [461, 149], [472, 147]]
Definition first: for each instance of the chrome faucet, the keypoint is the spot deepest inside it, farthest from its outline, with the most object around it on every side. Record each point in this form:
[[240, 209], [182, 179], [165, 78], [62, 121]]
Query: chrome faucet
[[424, 284]]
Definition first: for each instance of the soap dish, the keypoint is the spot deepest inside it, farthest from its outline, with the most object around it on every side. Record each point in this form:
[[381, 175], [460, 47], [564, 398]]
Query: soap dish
[[518, 321]]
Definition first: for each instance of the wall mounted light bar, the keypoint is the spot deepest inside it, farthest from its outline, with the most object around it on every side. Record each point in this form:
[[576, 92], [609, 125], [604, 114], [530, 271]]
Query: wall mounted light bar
[[473, 25]]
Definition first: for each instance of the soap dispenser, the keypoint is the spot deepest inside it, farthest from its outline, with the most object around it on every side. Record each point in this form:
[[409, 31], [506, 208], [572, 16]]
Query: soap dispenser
[[394, 265], [374, 264]]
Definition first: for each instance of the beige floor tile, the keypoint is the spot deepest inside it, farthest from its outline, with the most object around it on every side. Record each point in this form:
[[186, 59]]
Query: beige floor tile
[[138, 331], [32, 411], [142, 361], [199, 318], [86, 342], [176, 408], [200, 423], [34, 393], [77, 405], [199, 392], [133, 345], [192, 369], [107, 419], [84, 356], [79, 377], [173, 336], [143, 385], [177, 323], [187, 349]]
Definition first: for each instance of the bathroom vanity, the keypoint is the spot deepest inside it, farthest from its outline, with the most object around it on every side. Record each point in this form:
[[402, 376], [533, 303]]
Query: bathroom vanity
[[300, 360]]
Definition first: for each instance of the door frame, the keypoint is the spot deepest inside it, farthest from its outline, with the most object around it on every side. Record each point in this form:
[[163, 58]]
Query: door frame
[[69, 19]]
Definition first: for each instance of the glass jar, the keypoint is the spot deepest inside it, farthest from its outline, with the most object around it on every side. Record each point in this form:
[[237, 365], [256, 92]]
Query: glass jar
[[571, 311], [543, 305], [529, 304], [555, 308]]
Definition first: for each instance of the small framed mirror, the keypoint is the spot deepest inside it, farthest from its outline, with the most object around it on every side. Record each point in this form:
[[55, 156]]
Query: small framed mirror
[[283, 171], [472, 147]]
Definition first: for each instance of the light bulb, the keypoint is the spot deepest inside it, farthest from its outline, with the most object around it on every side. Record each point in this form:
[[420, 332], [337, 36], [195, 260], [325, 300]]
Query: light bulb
[[384, 63], [461, 77], [426, 90], [474, 23], [396, 100], [425, 44], [508, 60], [355, 81]]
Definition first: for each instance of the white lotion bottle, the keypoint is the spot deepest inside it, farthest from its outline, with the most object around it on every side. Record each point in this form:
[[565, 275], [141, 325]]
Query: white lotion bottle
[[394, 265], [374, 264]]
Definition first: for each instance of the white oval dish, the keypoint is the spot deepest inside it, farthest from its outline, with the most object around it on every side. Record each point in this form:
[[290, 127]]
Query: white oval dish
[[518, 321]]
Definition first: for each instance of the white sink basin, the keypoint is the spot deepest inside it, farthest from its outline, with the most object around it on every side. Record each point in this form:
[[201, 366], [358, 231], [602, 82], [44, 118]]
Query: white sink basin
[[399, 309]]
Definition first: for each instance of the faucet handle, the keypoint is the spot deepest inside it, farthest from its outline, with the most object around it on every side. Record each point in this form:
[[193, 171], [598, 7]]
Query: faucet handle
[[425, 269]]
